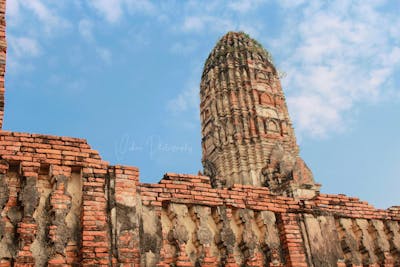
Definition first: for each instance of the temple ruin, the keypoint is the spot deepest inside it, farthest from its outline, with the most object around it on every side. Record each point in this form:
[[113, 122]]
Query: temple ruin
[[257, 203]]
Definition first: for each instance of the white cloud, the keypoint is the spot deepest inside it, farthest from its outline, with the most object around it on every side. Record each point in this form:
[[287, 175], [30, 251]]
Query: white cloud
[[104, 54], [113, 10], [194, 23], [143, 6], [13, 12], [186, 17], [48, 17], [220, 17], [31, 12], [85, 28], [184, 108], [20, 50], [198, 23], [245, 5], [252, 28], [291, 3], [184, 47], [186, 100], [342, 54], [305, 107], [29, 26], [40, 10], [23, 46]]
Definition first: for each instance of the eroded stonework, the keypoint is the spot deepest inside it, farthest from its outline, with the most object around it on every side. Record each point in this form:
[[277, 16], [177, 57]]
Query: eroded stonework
[[248, 137], [62, 205]]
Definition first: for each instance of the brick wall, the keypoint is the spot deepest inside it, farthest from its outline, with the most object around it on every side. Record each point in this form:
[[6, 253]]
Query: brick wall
[[61, 204], [57, 207], [310, 231]]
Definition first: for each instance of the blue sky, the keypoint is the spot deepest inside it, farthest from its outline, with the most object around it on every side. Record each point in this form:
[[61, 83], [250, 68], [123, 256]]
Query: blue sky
[[125, 74]]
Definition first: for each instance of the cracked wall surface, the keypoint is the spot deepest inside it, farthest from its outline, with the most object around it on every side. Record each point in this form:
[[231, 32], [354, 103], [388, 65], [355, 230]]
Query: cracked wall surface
[[52, 215]]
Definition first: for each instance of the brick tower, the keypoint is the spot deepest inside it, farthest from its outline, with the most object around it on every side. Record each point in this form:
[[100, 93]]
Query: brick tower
[[247, 135], [3, 50]]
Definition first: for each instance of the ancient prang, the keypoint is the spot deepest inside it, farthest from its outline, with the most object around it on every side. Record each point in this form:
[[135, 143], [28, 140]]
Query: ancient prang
[[257, 203], [247, 133]]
